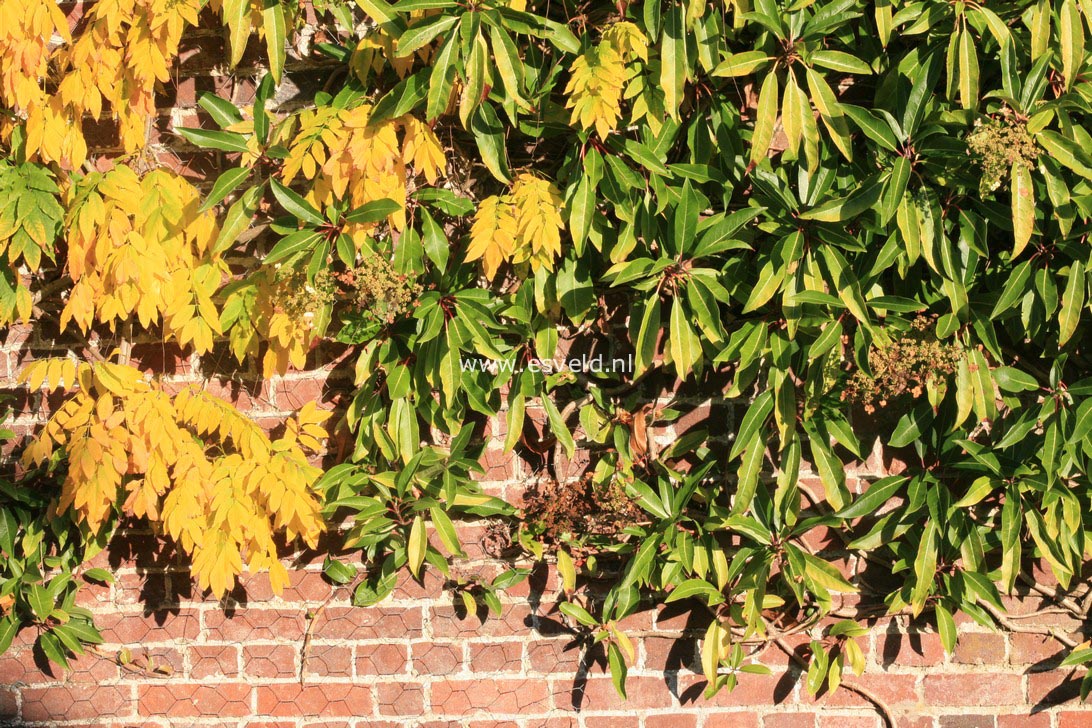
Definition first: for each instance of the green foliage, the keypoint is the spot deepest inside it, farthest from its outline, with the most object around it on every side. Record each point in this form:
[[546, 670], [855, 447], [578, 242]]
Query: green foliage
[[865, 221]]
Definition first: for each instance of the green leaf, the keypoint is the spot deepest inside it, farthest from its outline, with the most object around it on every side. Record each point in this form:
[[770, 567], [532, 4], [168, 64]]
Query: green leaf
[[423, 32], [225, 141], [1010, 379], [840, 61], [374, 211], [99, 575], [749, 469], [338, 571], [947, 628], [696, 588], [765, 118], [673, 60], [685, 346], [878, 494], [925, 568], [1072, 303], [1071, 41], [741, 64], [222, 111], [618, 668], [1023, 206], [226, 183], [416, 545], [276, 36], [295, 205], [578, 613]]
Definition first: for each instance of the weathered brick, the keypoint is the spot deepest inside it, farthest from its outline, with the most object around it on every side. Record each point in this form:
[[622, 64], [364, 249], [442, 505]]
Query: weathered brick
[[382, 659], [252, 623], [437, 658], [270, 660], [496, 656], [353, 623], [979, 648], [970, 689], [325, 699], [497, 697], [179, 700], [75, 702], [329, 660], [401, 699], [213, 661]]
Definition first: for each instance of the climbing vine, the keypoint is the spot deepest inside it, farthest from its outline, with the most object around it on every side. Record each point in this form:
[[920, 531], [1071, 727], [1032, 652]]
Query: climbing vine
[[864, 223]]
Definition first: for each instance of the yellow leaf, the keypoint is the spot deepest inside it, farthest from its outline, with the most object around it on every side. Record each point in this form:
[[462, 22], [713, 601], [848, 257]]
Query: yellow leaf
[[493, 234]]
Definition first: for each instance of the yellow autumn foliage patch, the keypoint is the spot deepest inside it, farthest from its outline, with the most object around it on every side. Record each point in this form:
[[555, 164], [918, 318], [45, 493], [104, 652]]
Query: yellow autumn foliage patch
[[200, 471], [138, 248], [523, 226], [599, 76]]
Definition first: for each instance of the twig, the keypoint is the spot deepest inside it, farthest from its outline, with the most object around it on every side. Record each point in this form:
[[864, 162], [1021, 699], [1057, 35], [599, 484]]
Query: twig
[[1008, 624], [881, 707]]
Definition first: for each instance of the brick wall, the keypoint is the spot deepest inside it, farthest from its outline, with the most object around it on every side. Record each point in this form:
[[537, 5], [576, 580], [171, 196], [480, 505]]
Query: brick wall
[[308, 658]]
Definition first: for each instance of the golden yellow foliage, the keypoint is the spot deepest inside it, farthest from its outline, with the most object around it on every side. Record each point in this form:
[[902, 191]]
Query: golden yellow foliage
[[350, 158], [598, 76], [200, 471], [524, 225], [493, 235], [124, 49], [538, 221], [139, 248]]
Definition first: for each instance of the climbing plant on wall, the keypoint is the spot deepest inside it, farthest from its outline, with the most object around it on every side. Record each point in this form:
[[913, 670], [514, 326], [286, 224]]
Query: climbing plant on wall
[[866, 222]]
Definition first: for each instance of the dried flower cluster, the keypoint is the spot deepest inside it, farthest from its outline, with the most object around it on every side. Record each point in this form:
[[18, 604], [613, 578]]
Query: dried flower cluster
[[378, 291], [903, 367], [997, 145]]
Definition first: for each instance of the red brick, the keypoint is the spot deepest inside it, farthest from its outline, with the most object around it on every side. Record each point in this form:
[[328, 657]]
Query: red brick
[[917, 649], [894, 689], [329, 660], [325, 699], [788, 720], [75, 702], [387, 659], [598, 693], [1080, 718], [613, 721], [17, 666], [209, 661], [496, 656], [554, 655], [134, 629], [997, 689], [734, 719], [250, 624], [179, 700], [498, 697], [849, 721], [978, 648], [1053, 688], [354, 623], [514, 620], [672, 720], [400, 699], [437, 659], [1023, 720], [303, 586], [270, 661], [964, 720], [1028, 649]]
